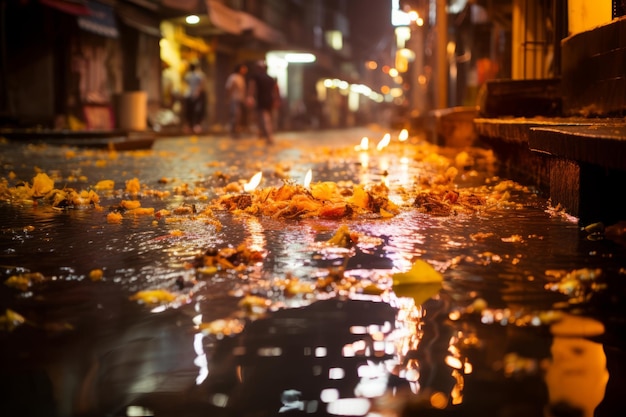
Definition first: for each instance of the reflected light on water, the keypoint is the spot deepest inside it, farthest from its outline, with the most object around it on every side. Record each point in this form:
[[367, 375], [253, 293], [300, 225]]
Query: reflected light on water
[[453, 362], [291, 401], [577, 375], [385, 167], [136, 410], [329, 394], [336, 373], [364, 171], [201, 360], [349, 407], [364, 160], [401, 173], [383, 164], [219, 400], [373, 382], [256, 240], [439, 400]]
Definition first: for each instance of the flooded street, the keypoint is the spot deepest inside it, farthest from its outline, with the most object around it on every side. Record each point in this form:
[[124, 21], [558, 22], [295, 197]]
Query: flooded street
[[408, 280]]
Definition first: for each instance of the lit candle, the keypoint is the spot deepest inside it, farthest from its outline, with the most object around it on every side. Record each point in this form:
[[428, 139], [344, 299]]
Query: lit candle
[[364, 145], [383, 142], [253, 183]]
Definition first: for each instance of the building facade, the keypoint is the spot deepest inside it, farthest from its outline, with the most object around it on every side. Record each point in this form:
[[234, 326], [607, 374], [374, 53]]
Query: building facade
[[68, 64]]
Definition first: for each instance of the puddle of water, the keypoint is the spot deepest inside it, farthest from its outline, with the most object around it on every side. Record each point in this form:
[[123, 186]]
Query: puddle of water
[[478, 344]]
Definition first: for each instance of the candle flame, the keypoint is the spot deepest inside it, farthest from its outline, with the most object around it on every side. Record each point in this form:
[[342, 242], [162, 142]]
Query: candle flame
[[364, 145], [384, 142], [307, 178], [254, 182], [404, 135]]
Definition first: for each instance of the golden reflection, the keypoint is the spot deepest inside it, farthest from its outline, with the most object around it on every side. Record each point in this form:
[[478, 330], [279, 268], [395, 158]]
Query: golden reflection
[[256, 240], [457, 390], [404, 135], [364, 159], [459, 364], [453, 362], [439, 400], [577, 375], [383, 164]]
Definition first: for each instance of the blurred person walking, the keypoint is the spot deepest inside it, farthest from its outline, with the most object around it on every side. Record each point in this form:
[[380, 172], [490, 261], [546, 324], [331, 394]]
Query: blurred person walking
[[195, 98], [236, 90], [263, 94]]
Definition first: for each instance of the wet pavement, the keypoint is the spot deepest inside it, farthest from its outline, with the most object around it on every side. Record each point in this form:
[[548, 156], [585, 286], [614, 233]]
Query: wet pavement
[[149, 292]]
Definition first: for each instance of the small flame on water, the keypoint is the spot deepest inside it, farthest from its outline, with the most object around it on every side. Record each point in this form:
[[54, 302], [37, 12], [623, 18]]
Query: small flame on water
[[254, 182], [364, 145], [307, 178], [384, 142], [404, 135]]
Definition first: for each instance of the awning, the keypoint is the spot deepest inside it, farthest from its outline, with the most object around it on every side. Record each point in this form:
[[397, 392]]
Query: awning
[[190, 6], [77, 7], [101, 21], [236, 23], [224, 17], [139, 20], [260, 29]]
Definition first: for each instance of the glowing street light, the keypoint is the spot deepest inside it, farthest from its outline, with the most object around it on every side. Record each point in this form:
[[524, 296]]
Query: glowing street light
[[192, 19]]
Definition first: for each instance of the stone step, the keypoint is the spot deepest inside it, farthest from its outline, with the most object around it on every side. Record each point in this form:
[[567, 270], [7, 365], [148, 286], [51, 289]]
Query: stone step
[[580, 163], [602, 144]]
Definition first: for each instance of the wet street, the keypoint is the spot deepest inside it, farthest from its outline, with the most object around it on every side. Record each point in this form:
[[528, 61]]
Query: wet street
[[381, 277]]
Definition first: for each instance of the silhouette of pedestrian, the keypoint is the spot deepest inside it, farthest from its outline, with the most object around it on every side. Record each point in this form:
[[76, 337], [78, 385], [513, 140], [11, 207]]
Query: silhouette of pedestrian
[[195, 98], [264, 95], [236, 90]]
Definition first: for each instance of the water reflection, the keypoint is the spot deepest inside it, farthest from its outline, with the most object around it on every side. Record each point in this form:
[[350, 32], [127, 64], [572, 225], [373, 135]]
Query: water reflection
[[295, 360], [577, 374], [479, 344]]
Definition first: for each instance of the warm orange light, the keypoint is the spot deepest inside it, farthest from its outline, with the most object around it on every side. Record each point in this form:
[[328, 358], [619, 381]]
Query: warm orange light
[[439, 400], [372, 65], [384, 142], [364, 145], [385, 89], [404, 135], [254, 182], [453, 362], [307, 178]]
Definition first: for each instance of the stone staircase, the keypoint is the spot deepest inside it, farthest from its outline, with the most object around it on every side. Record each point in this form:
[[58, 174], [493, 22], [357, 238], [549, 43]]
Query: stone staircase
[[567, 135]]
